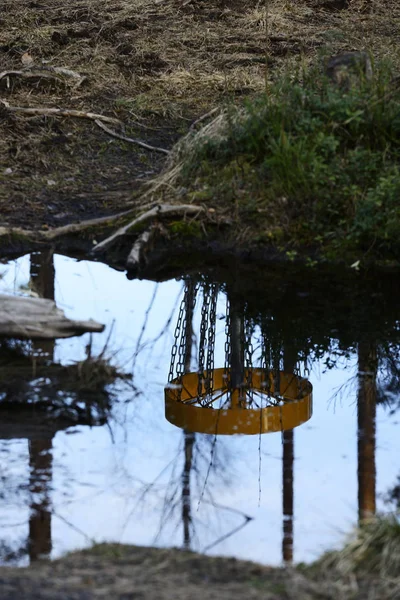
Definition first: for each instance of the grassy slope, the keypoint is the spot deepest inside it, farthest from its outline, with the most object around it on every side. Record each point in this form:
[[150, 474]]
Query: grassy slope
[[368, 567], [309, 168]]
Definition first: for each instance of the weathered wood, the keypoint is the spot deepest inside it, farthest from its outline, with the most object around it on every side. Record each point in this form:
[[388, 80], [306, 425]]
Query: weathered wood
[[32, 422], [158, 211], [38, 318], [138, 249]]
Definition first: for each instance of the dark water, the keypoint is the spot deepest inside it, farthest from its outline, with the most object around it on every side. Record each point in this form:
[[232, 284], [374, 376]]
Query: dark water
[[89, 456]]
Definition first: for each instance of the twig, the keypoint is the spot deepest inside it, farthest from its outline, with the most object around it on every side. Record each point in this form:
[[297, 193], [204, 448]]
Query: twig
[[137, 121], [61, 112], [227, 535], [130, 140], [203, 118], [156, 211], [75, 227], [246, 518], [42, 72], [65, 71], [56, 73], [235, 511], [74, 527], [30, 75], [143, 329], [51, 234]]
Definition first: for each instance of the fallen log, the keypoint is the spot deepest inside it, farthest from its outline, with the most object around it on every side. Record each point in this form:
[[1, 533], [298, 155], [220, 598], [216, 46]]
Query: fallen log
[[38, 318], [33, 422], [160, 211]]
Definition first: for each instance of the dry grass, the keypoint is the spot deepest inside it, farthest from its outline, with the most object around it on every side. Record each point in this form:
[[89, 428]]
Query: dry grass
[[373, 549], [367, 567], [121, 571], [156, 65]]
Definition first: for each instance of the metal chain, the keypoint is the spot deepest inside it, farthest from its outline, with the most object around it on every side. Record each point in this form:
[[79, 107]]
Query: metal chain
[[189, 304], [180, 341], [277, 374], [243, 386], [266, 359], [209, 382], [249, 350], [263, 363], [306, 365], [177, 333], [227, 347], [202, 341]]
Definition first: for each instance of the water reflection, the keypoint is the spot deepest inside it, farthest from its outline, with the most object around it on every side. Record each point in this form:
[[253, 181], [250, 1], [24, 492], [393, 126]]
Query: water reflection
[[240, 398], [250, 394], [42, 280], [40, 397], [40, 463], [235, 348], [366, 411]]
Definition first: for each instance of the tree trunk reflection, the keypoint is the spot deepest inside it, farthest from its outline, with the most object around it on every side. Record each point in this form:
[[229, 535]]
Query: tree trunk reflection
[[288, 474], [42, 274], [189, 437], [40, 463], [366, 408]]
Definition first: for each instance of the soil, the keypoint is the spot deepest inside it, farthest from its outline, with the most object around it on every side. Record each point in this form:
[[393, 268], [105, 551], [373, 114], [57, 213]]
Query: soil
[[128, 572], [60, 170], [154, 65], [120, 572]]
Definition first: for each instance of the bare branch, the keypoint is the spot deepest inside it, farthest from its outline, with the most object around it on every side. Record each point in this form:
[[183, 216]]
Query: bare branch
[[59, 112], [119, 136], [160, 210]]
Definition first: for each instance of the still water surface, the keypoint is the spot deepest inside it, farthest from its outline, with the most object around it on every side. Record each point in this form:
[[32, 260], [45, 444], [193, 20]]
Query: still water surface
[[129, 479]]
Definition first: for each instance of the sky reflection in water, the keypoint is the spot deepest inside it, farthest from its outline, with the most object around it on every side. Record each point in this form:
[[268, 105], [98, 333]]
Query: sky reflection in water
[[116, 482]]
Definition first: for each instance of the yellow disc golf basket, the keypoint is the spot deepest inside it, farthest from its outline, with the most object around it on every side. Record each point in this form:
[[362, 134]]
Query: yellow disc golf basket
[[238, 398]]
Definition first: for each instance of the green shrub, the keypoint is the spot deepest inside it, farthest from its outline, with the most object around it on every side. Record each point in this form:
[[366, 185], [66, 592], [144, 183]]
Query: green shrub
[[311, 160]]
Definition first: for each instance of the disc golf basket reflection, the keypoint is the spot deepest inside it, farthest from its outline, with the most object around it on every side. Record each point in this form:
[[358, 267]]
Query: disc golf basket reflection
[[246, 396]]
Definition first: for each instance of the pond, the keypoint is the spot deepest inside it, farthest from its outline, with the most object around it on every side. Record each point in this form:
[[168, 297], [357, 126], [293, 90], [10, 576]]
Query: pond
[[109, 465]]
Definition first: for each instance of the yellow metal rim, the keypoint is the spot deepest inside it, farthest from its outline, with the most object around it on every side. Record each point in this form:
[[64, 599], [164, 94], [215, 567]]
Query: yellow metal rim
[[295, 409]]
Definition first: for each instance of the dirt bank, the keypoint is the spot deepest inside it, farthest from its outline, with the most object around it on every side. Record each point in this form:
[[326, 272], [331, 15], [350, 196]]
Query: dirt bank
[[154, 66], [135, 62], [131, 573]]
